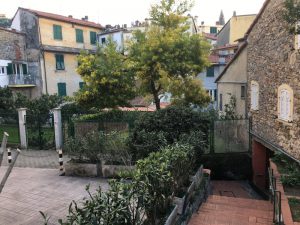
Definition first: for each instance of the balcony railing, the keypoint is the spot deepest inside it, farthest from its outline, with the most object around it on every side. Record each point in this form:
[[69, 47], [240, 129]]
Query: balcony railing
[[25, 79]]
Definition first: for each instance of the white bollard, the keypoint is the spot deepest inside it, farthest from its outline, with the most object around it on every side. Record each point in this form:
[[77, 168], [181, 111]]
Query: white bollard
[[58, 128], [9, 157]]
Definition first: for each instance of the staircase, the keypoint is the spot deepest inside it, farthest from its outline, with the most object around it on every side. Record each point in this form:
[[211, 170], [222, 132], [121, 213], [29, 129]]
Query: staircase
[[222, 210]]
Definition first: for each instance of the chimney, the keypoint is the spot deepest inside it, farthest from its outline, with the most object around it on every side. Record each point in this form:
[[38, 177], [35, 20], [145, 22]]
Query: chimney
[[125, 26], [70, 16], [202, 22], [234, 13], [85, 18]]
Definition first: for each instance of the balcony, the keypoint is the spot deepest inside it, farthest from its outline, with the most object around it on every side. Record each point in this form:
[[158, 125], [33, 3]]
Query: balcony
[[18, 80]]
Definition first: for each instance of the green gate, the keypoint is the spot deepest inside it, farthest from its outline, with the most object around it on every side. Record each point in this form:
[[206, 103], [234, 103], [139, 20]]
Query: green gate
[[40, 131]]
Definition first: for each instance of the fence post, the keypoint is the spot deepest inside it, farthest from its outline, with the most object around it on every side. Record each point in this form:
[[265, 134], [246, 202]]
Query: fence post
[[22, 127], [58, 128], [3, 146]]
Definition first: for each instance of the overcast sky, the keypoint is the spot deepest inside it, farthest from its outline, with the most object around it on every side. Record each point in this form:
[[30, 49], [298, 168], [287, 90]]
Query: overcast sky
[[126, 11]]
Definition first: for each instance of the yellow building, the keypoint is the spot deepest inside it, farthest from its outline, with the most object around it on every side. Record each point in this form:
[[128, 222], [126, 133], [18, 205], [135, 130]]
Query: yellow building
[[234, 29], [57, 40]]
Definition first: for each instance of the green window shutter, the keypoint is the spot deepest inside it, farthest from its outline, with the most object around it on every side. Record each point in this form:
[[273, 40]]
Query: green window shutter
[[24, 67], [60, 64], [93, 37], [57, 32], [79, 36], [210, 72], [81, 84], [62, 90], [213, 30], [9, 69]]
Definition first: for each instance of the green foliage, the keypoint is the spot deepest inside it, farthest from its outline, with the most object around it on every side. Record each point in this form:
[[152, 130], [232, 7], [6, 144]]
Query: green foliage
[[289, 169], [6, 100], [295, 208], [230, 110], [291, 14], [109, 80], [145, 200], [166, 55], [167, 126], [98, 147]]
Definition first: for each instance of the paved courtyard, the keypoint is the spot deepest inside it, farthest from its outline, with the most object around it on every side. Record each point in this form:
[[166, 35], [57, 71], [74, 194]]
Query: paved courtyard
[[30, 190]]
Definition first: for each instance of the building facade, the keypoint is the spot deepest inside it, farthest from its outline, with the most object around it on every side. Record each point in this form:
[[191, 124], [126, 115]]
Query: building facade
[[15, 66], [54, 41], [232, 83], [273, 94], [234, 29]]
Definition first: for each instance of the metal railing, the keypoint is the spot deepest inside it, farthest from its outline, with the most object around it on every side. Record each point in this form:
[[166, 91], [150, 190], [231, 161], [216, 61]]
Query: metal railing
[[275, 199], [25, 79]]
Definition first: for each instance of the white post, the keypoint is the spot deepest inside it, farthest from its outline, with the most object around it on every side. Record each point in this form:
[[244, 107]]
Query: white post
[[58, 128], [22, 127]]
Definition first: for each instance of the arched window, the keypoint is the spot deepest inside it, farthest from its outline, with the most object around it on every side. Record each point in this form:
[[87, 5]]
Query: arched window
[[254, 95], [285, 103]]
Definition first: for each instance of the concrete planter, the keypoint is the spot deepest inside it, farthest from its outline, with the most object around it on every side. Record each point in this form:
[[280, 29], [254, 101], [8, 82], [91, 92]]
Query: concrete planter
[[111, 171], [82, 169], [179, 202]]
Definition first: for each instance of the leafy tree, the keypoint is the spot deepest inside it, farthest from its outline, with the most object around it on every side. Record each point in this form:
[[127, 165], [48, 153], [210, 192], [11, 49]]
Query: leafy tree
[[6, 100], [167, 55], [109, 82], [291, 14]]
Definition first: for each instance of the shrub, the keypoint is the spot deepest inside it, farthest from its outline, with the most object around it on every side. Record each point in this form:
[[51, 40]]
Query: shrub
[[98, 146], [170, 124]]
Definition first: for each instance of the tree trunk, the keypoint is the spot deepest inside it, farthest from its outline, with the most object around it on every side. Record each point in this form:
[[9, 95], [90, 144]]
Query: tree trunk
[[155, 95]]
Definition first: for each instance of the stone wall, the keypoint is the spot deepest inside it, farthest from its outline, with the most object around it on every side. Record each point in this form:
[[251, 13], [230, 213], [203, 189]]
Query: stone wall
[[12, 45], [272, 61]]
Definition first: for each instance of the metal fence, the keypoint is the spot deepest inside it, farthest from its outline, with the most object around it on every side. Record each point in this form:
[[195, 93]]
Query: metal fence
[[40, 131], [9, 123]]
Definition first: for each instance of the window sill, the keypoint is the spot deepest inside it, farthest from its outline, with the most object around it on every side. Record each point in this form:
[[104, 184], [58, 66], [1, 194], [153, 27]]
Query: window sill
[[60, 71], [285, 122]]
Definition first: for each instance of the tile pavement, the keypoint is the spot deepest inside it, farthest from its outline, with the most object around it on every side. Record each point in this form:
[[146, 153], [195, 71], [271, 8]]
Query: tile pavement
[[30, 190]]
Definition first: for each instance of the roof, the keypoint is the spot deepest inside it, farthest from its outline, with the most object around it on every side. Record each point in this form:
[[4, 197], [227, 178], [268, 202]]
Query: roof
[[12, 31], [240, 50], [210, 36], [226, 47], [63, 18]]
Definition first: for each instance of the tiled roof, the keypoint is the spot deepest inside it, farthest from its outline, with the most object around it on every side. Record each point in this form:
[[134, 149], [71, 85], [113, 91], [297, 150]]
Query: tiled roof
[[210, 36], [12, 31], [229, 46], [64, 18], [213, 58]]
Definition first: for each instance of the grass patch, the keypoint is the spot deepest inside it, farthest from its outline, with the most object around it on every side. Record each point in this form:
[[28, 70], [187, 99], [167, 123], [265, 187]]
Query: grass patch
[[12, 130], [295, 208]]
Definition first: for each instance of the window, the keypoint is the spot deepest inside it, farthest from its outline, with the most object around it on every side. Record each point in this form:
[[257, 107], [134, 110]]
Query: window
[[215, 94], [210, 72], [81, 84], [2, 70], [57, 32], [60, 64], [93, 37], [79, 36], [213, 30], [285, 103], [24, 68], [243, 91], [221, 102], [62, 90], [103, 40], [254, 95]]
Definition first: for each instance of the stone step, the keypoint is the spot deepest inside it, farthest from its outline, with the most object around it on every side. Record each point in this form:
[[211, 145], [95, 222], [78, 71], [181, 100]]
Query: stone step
[[243, 215], [236, 209], [229, 219], [241, 202]]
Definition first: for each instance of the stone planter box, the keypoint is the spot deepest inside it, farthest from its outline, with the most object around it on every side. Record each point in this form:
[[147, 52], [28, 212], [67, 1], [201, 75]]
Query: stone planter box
[[111, 171], [82, 169]]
